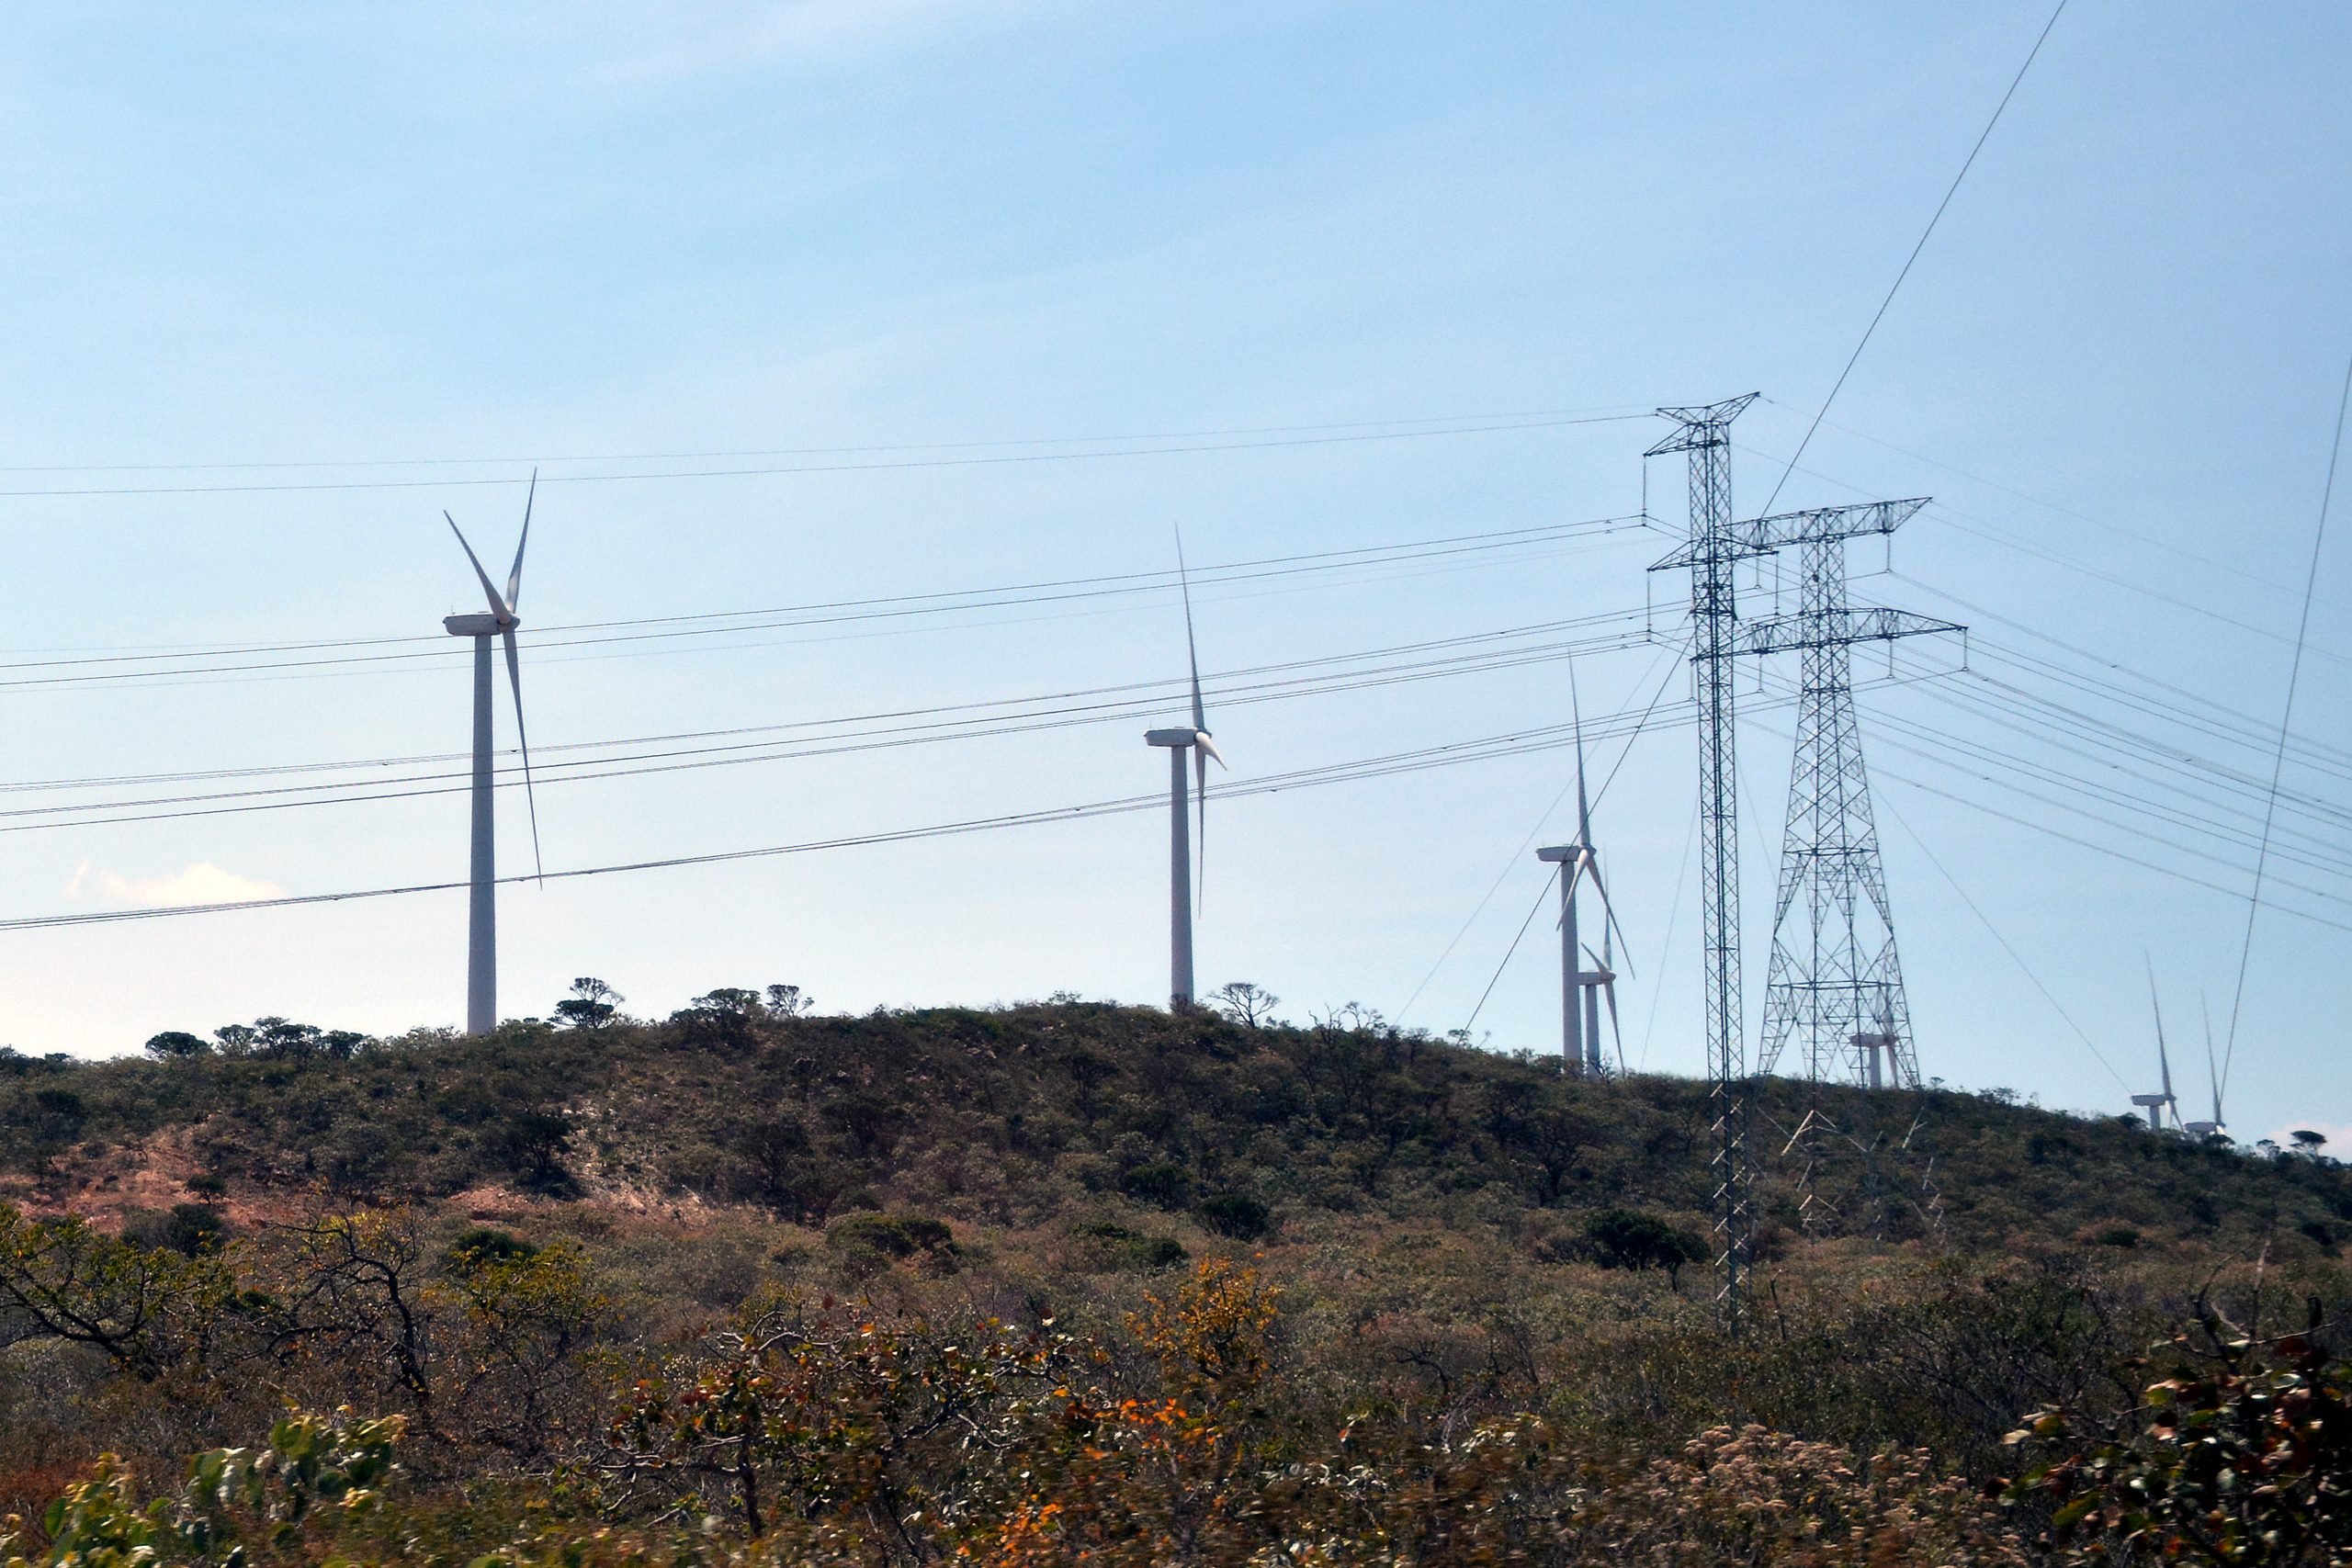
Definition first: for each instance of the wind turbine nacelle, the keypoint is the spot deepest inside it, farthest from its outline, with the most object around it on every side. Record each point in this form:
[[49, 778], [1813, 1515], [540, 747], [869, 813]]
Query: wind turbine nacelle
[[1179, 738], [1562, 852], [480, 624]]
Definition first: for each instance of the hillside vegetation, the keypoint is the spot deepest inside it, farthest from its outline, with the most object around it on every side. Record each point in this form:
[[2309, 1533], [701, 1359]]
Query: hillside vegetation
[[1070, 1279]]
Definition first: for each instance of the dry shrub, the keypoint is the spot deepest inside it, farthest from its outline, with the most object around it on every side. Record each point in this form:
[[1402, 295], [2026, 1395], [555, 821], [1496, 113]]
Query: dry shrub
[[1752, 1495]]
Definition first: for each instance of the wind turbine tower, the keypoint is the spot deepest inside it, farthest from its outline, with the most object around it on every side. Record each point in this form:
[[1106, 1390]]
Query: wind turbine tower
[[482, 907], [1184, 844], [1582, 991]]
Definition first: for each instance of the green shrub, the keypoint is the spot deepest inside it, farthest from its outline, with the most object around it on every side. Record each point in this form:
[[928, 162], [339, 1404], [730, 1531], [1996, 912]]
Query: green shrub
[[1162, 1183], [481, 1245], [1622, 1239], [893, 1236], [1107, 1244], [1236, 1215], [188, 1229]]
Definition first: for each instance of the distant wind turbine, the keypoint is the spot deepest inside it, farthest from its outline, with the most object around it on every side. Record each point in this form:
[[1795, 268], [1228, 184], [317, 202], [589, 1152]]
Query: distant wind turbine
[[1194, 738], [1583, 990], [2213, 1078], [2155, 1105], [482, 913]]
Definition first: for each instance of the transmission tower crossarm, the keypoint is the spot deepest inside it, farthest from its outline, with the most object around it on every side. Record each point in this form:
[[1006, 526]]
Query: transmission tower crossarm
[[1708, 551], [1822, 524], [1699, 427], [1831, 629]]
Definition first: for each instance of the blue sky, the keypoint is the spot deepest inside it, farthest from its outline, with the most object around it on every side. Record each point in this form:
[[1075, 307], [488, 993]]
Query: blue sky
[[279, 234]]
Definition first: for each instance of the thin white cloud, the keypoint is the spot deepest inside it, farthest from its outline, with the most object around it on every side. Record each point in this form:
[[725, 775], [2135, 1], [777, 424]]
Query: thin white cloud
[[202, 883]]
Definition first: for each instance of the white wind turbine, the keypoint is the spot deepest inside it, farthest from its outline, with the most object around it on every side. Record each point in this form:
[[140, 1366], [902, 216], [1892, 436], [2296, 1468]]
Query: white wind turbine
[[1179, 739], [2212, 1079], [2155, 1105], [482, 910], [1583, 990]]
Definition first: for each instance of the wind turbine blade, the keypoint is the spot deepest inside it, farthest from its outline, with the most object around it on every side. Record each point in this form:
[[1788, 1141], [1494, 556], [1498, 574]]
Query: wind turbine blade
[[1608, 912], [1200, 826], [2213, 1078], [1192, 650], [2155, 1005], [514, 578], [1616, 1033], [497, 604], [514, 676], [1584, 805]]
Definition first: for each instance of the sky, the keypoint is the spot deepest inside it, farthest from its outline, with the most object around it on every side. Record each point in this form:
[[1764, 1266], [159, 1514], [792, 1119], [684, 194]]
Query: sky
[[857, 300]]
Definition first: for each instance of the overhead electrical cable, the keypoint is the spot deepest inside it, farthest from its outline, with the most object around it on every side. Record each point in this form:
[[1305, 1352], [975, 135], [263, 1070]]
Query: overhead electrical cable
[[875, 465], [435, 649], [1517, 855], [1386, 765], [1120, 688], [1666, 944], [1947, 515], [2015, 956], [2286, 725], [2209, 563], [699, 758], [1966, 164], [1933, 751], [2044, 828], [1625, 411]]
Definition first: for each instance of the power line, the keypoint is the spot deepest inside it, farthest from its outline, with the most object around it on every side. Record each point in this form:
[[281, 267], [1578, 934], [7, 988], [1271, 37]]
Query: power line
[[995, 460], [1388, 765], [1513, 863], [1509, 954], [1967, 164], [699, 758], [183, 662], [2208, 562], [1952, 517], [1626, 410], [2015, 957], [1665, 944], [2286, 720]]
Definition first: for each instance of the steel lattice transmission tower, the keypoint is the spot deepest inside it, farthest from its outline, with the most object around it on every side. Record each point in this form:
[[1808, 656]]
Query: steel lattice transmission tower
[[1710, 555], [1835, 987]]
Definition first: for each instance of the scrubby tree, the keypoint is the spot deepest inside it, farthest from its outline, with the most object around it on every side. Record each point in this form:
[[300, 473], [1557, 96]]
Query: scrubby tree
[[533, 1143], [176, 1044], [591, 1004], [1245, 1002], [1622, 1238]]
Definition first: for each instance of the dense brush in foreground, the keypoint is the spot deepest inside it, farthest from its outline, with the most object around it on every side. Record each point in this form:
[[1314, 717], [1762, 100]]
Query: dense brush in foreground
[[1067, 1281]]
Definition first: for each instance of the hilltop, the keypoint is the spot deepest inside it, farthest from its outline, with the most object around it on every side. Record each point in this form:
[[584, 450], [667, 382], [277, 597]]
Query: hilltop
[[1015, 1117], [1400, 1240]]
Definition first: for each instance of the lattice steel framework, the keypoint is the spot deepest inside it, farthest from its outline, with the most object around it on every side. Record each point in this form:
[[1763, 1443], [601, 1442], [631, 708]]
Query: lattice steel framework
[[1835, 987], [1712, 550]]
